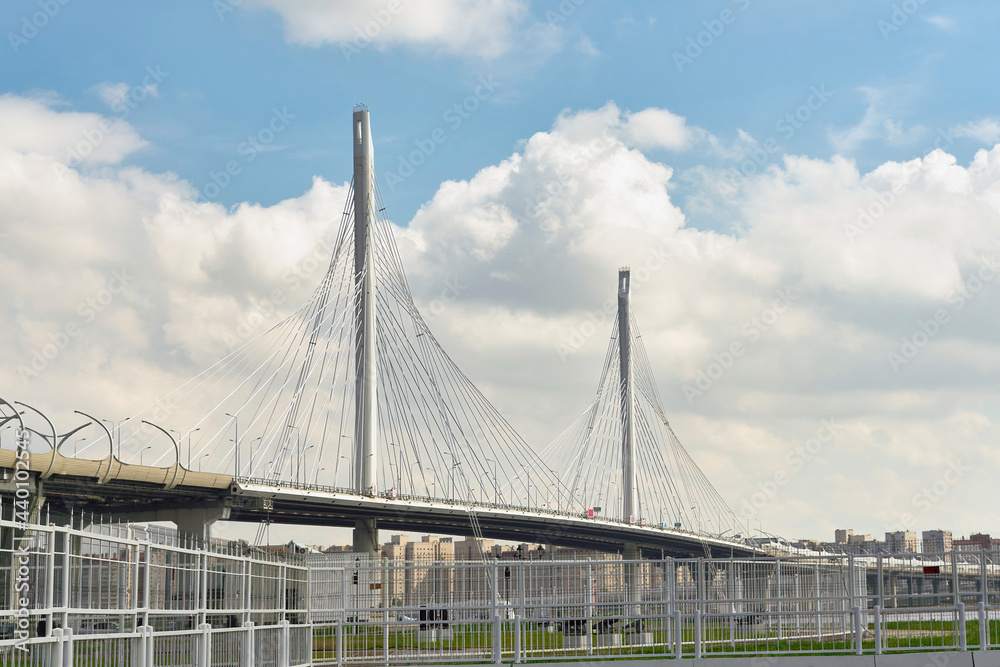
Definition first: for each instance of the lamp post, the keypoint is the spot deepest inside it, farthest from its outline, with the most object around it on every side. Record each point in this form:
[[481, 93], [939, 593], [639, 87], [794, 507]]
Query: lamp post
[[316, 478], [189, 446], [118, 429], [350, 463], [112, 443], [399, 463], [558, 483], [76, 445], [298, 471], [141, 451], [236, 457], [452, 476], [496, 492], [180, 438], [257, 439], [350, 472], [298, 443]]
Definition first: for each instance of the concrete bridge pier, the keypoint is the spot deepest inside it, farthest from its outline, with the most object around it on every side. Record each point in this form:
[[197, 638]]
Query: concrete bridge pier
[[366, 536], [196, 521]]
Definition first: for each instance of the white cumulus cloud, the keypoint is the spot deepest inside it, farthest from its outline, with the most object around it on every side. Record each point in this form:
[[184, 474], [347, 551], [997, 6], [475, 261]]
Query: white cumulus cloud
[[483, 29]]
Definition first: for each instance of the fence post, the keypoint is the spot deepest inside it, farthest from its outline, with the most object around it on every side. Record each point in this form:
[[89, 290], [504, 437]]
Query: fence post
[[984, 630], [955, 582], [283, 645], [962, 639], [249, 644], [204, 644], [590, 607], [878, 630], [697, 633], [150, 644], [881, 585], [339, 641], [67, 656], [781, 594], [850, 580], [139, 648], [517, 639], [495, 598], [858, 632], [385, 632], [56, 649], [678, 644], [66, 602], [496, 639], [666, 602]]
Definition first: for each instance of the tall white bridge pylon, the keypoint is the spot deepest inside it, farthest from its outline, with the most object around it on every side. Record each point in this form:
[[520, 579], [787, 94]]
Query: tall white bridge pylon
[[353, 391], [621, 458]]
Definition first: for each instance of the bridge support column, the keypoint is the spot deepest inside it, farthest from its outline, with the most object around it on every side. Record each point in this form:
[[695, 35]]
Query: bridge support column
[[365, 413], [198, 522], [194, 520], [630, 508], [366, 536]]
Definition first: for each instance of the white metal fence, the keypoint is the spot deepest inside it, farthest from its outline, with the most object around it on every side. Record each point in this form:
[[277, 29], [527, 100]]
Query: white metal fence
[[143, 596], [120, 594], [368, 612]]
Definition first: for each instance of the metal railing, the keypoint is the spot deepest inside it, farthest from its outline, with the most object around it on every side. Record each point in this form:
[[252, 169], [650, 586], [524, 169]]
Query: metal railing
[[515, 611], [122, 594], [142, 596]]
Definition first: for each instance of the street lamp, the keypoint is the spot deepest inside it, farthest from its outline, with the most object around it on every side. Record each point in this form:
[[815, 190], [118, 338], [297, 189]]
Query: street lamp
[[117, 427], [316, 479], [189, 446], [250, 470], [496, 492], [180, 438], [399, 463], [352, 483], [350, 472], [298, 470], [112, 443], [77, 445], [452, 476], [236, 457], [141, 451]]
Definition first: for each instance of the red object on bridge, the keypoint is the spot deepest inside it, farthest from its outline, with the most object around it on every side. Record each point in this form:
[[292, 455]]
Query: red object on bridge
[[932, 569]]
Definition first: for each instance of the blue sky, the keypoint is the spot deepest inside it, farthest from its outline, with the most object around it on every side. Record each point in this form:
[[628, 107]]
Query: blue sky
[[843, 154], [228, 67]]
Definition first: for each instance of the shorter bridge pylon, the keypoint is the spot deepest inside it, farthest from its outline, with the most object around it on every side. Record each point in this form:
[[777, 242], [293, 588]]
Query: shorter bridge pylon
[[625, 462]]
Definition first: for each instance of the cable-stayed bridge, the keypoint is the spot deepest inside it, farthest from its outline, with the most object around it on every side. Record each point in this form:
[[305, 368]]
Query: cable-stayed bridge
[[350, 413]]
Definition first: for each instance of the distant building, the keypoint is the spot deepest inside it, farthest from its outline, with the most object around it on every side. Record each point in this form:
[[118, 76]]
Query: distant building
[[937, 541], [901, 541], [338, 549], [974, 543], [842, 535]]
